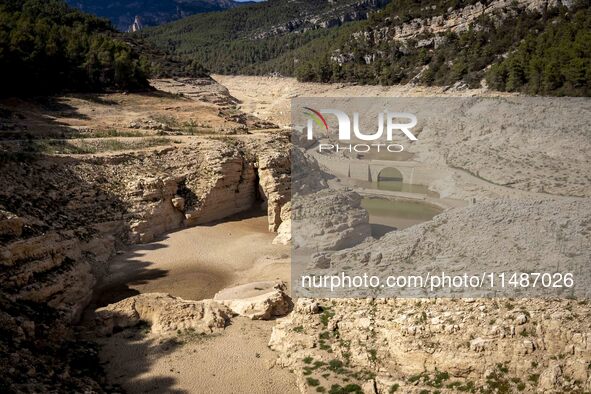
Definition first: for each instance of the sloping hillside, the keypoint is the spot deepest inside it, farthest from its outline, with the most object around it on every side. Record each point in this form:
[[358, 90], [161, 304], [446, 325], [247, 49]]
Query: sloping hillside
[[242, 39], [533, 46], [47, 46]]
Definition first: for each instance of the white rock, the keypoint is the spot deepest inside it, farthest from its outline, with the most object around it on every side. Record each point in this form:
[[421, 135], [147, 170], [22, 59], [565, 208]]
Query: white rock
[[257, 301]]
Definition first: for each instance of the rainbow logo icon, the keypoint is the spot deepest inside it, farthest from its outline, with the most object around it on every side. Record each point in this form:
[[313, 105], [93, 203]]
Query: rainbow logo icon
[[316, 117]]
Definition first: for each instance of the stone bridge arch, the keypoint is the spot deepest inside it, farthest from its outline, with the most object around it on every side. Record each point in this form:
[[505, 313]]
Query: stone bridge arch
[[390, 178], [390, 174]]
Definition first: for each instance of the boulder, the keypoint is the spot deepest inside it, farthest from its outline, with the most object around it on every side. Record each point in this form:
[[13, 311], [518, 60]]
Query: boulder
[[329, 220], [165, 314], [257, 301]]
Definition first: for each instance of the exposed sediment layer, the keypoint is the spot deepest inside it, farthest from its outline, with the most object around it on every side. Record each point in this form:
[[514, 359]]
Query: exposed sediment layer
[[527, 344], [419, 345], [63, 218]]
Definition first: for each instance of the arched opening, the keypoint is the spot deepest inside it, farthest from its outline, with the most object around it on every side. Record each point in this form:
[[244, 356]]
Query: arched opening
[[390, 178]]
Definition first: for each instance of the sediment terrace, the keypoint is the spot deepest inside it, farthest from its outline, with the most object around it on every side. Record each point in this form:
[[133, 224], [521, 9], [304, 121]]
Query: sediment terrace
[[84, 177]]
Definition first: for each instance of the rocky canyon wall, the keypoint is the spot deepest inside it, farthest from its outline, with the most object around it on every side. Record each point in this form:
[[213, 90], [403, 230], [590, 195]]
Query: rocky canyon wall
[[62, 218]]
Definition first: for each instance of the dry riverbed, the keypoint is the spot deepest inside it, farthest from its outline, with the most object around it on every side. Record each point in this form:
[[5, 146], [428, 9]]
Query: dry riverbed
[[194, 264]]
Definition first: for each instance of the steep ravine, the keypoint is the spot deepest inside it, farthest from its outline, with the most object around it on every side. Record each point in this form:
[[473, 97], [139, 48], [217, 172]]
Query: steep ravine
[[63, 218]]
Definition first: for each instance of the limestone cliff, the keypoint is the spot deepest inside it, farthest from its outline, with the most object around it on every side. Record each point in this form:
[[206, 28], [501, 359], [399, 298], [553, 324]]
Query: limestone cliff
[[62, 218]]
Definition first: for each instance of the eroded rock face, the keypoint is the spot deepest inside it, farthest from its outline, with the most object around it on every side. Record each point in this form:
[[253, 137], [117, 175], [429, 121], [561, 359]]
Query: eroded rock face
[[257, 301], [160, 214], [274, 172], [165, 314], [329, 220], [233, 184], [284, 231], [416, 343], [338, 14], [62, 218], [431, 31]]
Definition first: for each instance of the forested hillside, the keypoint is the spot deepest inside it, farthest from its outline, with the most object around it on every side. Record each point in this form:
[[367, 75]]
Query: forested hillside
[[529, 46], [241, 40], [536, 51], [557, 60], [47, 46]]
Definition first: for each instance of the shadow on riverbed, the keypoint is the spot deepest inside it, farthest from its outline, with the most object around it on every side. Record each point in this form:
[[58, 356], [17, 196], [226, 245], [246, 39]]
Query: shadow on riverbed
[[255, 212], [126, 270], [128, 357]]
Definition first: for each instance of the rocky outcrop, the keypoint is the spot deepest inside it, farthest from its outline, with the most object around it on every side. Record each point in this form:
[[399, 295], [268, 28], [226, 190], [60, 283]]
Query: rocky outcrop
[[430, 31], [205, 90], [167, 315], [257, 301], [152, 12], [329, 220], [233, 189], [527, 345], [164, 313], [137, 25], [284, 231], [199, 89], [274, 173], [335, 16], [160, 214]]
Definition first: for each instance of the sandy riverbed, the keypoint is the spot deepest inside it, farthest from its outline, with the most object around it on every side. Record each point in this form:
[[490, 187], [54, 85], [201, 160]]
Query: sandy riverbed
[[269, 97], [195, 263], [236, 361]]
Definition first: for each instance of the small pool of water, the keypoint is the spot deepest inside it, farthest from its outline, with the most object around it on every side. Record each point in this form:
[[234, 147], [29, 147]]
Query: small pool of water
[[387, 215]]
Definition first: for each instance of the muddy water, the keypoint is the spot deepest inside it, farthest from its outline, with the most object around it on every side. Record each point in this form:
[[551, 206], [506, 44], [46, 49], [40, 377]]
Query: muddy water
[[387, 215]]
